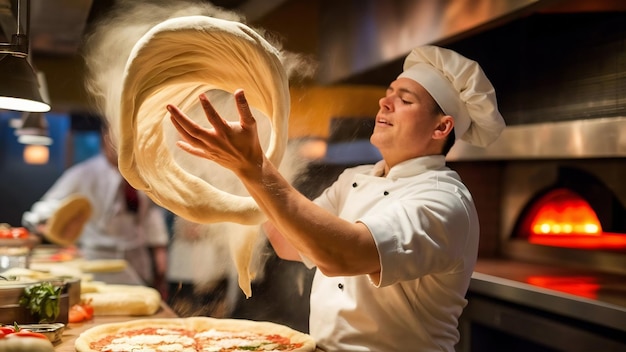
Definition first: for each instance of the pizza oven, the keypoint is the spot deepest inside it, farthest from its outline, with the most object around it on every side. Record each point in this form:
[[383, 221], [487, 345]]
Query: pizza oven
[[567, 212], [551, 273], [576, 211], [550, 192]]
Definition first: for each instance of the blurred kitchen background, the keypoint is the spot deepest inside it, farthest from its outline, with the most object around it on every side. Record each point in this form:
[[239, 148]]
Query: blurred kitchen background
[[559, 69]]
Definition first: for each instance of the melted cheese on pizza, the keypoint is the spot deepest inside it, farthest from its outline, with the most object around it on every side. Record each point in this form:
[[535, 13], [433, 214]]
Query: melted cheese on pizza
[[221, 341], [148, 340], [182, 340], [217, 341]]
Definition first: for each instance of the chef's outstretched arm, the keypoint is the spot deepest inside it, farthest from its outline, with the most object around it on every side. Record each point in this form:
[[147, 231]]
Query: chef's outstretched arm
[[336, 246], [282, 247]]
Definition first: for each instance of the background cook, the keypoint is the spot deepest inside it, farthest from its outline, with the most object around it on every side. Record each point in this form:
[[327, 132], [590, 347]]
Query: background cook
[[125, 223]]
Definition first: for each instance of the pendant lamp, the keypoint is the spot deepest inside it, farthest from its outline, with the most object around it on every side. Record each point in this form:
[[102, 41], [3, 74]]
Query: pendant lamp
[[33, 130], [19, 87]]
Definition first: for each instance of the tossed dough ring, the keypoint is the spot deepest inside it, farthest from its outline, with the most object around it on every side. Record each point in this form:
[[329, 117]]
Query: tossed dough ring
[[173, 63], [74, 210]]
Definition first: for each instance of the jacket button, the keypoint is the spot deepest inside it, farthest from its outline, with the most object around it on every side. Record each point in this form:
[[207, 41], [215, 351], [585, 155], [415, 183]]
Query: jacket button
[[340, 286], [385, 193], [354, 185]]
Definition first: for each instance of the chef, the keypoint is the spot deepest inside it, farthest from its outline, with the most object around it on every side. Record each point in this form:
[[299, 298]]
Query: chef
[[394, 243]]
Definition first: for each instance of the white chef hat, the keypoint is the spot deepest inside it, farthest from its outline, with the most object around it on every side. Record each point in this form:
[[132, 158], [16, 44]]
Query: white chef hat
[[461, 89]]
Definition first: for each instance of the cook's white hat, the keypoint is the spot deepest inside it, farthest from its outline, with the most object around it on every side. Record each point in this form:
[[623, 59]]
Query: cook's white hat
[[461, 89]]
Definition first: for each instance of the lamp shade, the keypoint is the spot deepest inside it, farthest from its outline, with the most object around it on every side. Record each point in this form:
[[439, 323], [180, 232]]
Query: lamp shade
[[33, 130], [19, 88]]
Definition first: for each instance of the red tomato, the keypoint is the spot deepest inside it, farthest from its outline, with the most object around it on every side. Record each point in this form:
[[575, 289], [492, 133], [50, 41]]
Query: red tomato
[[77, 314], [5, 330], [19, 232], [27, 333], [88, 310], [5, 232], [13, 232]]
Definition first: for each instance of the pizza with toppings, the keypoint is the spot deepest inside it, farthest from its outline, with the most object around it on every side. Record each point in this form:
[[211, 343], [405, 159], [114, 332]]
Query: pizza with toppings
[[193, 334]]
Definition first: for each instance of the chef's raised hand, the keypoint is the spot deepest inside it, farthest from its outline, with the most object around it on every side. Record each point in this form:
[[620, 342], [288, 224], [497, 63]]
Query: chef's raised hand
[[302, 227], [233, 145]]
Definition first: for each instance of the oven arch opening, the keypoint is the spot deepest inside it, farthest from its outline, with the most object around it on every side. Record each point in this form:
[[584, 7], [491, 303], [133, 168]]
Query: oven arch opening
[[577, 211]]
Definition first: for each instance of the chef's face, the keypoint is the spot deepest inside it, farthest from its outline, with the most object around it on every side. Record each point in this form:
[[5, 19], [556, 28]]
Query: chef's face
[[408, 123]]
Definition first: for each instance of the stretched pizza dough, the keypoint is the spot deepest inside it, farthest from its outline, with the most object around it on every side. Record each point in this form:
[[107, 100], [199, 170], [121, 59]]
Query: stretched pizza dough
[[136, 69], [67, 223], [123, 300], [103, 265], [174, 62]]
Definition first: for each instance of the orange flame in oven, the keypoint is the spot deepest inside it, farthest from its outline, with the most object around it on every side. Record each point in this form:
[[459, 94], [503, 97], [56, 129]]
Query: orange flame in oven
[[563, 218], [565, 213]]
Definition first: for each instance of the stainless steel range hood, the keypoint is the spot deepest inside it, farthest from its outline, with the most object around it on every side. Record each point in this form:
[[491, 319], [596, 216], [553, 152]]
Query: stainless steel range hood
[[359, 35], [356, 37], [559, 67], [577, 139]]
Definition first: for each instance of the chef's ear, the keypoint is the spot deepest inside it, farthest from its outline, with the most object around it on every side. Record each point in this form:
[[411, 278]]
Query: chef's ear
[[445, 126]]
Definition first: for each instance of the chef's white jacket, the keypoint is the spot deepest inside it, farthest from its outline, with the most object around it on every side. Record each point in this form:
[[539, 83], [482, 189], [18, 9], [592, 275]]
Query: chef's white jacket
[[425, 226]]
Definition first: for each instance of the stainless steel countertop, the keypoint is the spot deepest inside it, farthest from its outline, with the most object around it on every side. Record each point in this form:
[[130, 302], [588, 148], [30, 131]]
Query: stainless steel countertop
[[602, 299]]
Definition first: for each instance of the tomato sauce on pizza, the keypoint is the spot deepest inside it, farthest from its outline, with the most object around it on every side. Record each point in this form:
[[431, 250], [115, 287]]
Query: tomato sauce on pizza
[[202, 335], [158, 339], [222, 341]]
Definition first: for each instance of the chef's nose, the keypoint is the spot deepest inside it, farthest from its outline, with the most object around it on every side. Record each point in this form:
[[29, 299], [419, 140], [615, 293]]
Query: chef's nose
[[385, 103]]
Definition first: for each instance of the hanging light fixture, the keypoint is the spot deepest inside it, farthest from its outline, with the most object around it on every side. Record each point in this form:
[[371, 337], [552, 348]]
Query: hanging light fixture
[[33, 129], [19, 87], [36, 154]]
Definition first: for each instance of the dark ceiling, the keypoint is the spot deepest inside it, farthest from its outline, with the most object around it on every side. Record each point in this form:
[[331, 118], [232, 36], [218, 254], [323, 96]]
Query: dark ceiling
[[57, 27]]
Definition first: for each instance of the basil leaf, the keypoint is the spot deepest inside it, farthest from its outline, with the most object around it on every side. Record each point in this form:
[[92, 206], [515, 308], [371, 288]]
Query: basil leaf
[[42, 300]]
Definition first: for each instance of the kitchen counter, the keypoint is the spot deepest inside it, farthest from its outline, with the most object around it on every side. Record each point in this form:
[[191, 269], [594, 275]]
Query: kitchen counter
[[542, 308], [598, 298], [125, 277]]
